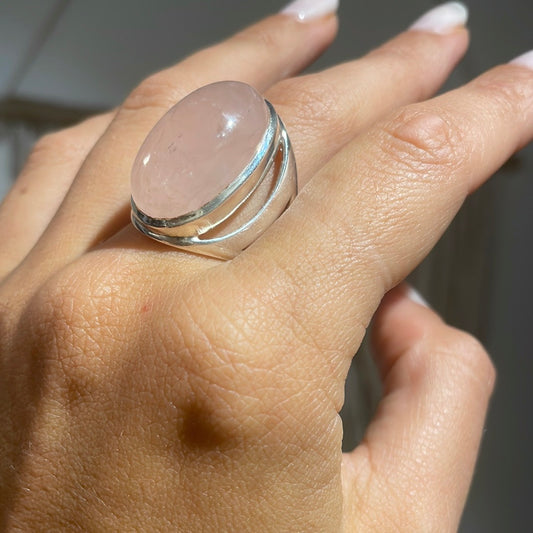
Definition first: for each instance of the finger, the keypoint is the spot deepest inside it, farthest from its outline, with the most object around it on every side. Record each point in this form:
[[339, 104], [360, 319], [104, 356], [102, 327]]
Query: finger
[[371, 215], [324, 111], [40, 188], [98, 200], [424, 440]]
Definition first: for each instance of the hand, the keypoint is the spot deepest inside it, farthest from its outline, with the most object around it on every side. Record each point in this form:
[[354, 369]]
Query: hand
[[144, 388]]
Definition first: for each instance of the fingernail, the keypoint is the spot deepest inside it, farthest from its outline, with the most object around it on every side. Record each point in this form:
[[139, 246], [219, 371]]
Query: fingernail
[[443, 19], [416, 297], [525, 60], [306, 10]]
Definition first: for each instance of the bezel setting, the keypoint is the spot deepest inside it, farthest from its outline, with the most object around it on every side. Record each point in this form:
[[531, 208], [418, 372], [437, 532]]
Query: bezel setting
[[189, 231]]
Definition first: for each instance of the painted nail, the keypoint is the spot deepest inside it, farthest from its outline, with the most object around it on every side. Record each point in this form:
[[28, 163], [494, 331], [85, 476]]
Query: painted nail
[[443, 19], [306, 10], [416, 297], [525, 60]]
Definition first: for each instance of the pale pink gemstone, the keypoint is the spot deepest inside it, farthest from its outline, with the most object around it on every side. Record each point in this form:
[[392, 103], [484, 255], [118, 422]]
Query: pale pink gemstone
[[198, 148]]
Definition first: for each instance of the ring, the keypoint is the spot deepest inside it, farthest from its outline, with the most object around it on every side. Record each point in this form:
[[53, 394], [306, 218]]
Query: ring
[[214, 173]]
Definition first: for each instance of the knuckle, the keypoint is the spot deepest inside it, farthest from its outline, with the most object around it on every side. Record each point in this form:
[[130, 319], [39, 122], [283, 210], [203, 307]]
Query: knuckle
[[511, 93], [47, 143], [272, 35], [50, 307], [54, 148], [157, 91], [79, 317], [473, 358], [425, 140], [52, 326], [70, 144], [58, 315]]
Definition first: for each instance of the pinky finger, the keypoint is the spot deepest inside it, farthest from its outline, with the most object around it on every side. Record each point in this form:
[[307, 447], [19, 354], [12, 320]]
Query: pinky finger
[[419, 452], [41, 187]]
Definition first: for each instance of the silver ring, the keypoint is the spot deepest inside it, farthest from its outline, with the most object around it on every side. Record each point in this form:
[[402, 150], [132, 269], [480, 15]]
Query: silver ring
[[235, 217]]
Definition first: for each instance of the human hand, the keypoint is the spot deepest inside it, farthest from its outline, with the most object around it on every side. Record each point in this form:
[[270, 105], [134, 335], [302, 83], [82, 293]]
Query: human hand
[[146, 388]]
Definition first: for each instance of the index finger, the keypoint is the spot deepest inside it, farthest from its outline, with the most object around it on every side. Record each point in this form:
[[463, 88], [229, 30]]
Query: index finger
[[424, 438], [372, 214]]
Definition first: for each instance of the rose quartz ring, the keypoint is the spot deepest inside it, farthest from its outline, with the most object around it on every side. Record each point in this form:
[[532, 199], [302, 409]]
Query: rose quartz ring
[[214, 173]]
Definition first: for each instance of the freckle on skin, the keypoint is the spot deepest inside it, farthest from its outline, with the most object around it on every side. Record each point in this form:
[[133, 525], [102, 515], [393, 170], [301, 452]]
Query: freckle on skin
[[146, 308], [23, 191]]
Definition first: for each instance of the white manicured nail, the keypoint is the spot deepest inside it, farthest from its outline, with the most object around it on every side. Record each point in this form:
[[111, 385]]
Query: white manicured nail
[[443, 19], [525, 60], [416, 297], [305, 10]]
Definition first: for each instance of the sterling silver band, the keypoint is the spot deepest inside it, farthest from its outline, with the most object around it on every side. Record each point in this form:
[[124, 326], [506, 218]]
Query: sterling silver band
[[236, 217]]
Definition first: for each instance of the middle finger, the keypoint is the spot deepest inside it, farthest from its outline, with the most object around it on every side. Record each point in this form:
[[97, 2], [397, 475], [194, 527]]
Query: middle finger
[[324, 111], [374, 212]]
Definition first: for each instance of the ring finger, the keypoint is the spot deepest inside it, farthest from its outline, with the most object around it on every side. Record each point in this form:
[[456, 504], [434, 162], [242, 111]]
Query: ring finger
[[315, 109], [97, 204]]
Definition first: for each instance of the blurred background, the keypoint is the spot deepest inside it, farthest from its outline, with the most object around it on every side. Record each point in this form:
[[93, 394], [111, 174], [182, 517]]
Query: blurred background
[[61, 60]]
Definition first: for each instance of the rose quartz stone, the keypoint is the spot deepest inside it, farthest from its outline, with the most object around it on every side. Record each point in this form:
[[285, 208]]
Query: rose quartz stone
[[198, 148]]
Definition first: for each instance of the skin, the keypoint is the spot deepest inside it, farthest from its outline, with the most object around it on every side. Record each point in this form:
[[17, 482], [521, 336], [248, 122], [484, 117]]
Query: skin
[[147, 389]]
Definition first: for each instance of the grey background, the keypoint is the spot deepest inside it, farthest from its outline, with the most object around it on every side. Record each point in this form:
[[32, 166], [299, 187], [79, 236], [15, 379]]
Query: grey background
[[60, 59]]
